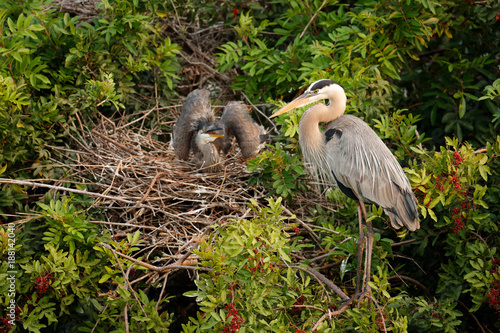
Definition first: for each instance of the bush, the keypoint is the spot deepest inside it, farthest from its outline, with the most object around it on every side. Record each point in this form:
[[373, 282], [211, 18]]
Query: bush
[[57, 74]]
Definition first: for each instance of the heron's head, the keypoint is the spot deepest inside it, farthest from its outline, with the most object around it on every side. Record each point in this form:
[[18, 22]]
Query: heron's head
[[317, 91], [209, 134]]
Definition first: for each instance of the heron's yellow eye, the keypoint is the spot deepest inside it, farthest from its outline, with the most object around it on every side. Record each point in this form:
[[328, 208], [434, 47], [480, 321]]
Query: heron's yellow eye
[[316, 91]]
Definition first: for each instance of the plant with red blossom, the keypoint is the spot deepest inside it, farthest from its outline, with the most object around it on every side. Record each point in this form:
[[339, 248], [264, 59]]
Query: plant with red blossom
[[380, 320], [5, 325], [43, 282], [236, 320], [451, 183], [299, 300], [494, 294]]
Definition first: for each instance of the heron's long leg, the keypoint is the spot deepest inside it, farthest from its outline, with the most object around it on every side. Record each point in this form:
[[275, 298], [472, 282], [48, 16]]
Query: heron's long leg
[[369, 248], [368, 259], [360, 243]]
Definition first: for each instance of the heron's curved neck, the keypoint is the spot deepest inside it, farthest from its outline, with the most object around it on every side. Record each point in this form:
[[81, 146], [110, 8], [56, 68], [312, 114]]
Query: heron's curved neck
[[310, 136]]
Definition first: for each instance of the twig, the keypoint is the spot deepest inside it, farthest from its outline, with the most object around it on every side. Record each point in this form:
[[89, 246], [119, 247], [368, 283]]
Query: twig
[[312, 19], [409, 241], [472, 315], [127, 284], [300, 306], [308, 228], [330, 314], [132, 152], [164, 269], [412, 280], [323, 279], [61, 188]]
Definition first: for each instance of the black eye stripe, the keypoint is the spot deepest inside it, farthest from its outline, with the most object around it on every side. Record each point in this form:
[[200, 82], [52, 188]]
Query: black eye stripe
[[321, 84]]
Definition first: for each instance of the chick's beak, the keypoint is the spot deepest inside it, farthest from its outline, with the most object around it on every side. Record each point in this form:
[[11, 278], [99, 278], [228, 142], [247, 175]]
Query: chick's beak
[[210, 131]]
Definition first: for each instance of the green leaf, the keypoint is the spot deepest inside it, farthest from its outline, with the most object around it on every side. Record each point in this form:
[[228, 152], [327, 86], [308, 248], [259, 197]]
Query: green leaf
[[343, 266], [432, 20], [462, 107], [104, 278]]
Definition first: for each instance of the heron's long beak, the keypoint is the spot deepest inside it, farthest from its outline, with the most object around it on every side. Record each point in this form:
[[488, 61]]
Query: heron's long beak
[[303, 99], [214, 135]]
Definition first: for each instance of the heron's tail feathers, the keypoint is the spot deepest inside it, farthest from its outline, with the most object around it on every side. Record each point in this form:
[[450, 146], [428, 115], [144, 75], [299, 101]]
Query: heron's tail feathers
[[404, 212]]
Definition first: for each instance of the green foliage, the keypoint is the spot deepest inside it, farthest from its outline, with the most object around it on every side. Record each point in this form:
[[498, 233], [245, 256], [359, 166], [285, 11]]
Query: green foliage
[[53, 66], [250, 283], [450, 186], [400, 132], [434, 62], [244, 262], [56, 274], [491, 93], [277, 170], [368, 47], [144, 314], [60, 274], [66, 226], [430, 316]]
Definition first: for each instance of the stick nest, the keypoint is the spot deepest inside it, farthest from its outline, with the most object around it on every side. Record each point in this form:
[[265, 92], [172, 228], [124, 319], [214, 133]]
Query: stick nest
[[146, 186], [140, 184]]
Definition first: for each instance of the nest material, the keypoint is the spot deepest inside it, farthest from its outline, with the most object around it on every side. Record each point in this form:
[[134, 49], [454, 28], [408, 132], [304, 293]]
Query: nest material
[[141, 184], [153, 188]]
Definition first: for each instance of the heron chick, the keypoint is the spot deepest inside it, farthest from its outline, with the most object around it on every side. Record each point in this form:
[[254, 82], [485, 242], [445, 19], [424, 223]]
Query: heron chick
[[194, 132], [237, 122], [208, 156], [195, 115]]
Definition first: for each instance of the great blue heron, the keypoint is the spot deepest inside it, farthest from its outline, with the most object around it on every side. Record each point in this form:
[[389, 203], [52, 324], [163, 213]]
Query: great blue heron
[[237, 122], [195, 131], [350, 154]]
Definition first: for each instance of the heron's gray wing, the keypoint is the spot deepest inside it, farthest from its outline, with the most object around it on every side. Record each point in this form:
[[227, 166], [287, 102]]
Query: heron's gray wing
[[361, 161], [195, 111], [223, 143], [238, 123]]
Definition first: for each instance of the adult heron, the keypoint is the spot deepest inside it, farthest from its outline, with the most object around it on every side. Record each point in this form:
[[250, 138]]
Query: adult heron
[[350, 154]]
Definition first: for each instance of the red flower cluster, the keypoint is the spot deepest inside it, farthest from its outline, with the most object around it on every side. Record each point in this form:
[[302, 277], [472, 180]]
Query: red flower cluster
[[439, 183], [298, 301], [457, 158], [456, 182], [5, 325], [43, 282], [494, 294], [235, 323], [379, 321], [257, 263], [461, 213]]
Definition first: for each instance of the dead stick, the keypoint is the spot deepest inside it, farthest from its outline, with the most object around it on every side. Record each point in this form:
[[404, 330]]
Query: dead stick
[[61, 188], [308, 228], [105, 137], [149, 266], [323, 279], [407, 278], [312, 19]]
